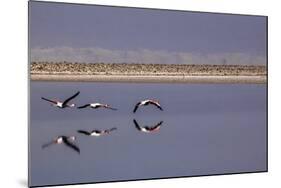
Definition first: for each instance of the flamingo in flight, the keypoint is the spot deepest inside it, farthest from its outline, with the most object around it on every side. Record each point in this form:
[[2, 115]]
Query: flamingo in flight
[[97, 105], [148, 129], [67, 140], [147, 102], [96, 132], [63, 104]]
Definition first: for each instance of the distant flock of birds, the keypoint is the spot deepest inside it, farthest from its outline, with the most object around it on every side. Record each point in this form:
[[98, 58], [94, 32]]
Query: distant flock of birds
[[70, 140]]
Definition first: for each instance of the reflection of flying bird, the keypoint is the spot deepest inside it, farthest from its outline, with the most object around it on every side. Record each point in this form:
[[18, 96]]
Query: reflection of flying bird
[[96, 132], [147, 102], [68, 141], [97, 105], [63, 104], [148, 128]]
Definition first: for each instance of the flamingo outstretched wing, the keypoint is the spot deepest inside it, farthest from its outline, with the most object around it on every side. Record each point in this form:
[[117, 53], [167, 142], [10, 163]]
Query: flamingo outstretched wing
[[136, 107], [156, 126], [84, 106], [137, 125], [84, 132], [156, 104], [47, 144], [71, 145], [70, 98], [54, 102]]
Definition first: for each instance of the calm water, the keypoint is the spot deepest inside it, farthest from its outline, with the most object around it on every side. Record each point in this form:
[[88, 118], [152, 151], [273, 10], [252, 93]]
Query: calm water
[[207, 129]]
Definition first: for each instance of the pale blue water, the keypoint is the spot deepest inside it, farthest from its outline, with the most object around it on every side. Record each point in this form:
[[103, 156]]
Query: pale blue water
[[207, 129]]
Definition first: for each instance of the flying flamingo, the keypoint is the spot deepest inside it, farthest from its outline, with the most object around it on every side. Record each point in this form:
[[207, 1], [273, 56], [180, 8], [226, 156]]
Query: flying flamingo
[[97, 105], [96, 132], [63, 104], [147, 102], [148, 129], [67, 140]]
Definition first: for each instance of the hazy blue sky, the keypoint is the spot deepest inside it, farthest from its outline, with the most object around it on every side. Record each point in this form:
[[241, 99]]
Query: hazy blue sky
[[98, 33]]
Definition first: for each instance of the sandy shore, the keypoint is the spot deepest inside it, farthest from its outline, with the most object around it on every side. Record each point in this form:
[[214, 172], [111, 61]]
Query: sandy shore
[[151, 79], [147, 73]]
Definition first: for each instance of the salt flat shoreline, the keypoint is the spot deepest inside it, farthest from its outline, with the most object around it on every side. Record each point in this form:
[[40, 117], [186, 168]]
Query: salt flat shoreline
[[150, 79], [147, 73]]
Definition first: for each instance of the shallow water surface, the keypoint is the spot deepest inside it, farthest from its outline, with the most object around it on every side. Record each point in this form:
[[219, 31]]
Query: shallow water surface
[[207, 129]]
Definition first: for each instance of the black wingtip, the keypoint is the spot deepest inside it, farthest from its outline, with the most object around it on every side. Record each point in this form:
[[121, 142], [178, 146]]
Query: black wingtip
[[76, 149], [81, 107], [77, 93], [43, 98], [137, 125], [83, 132]]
